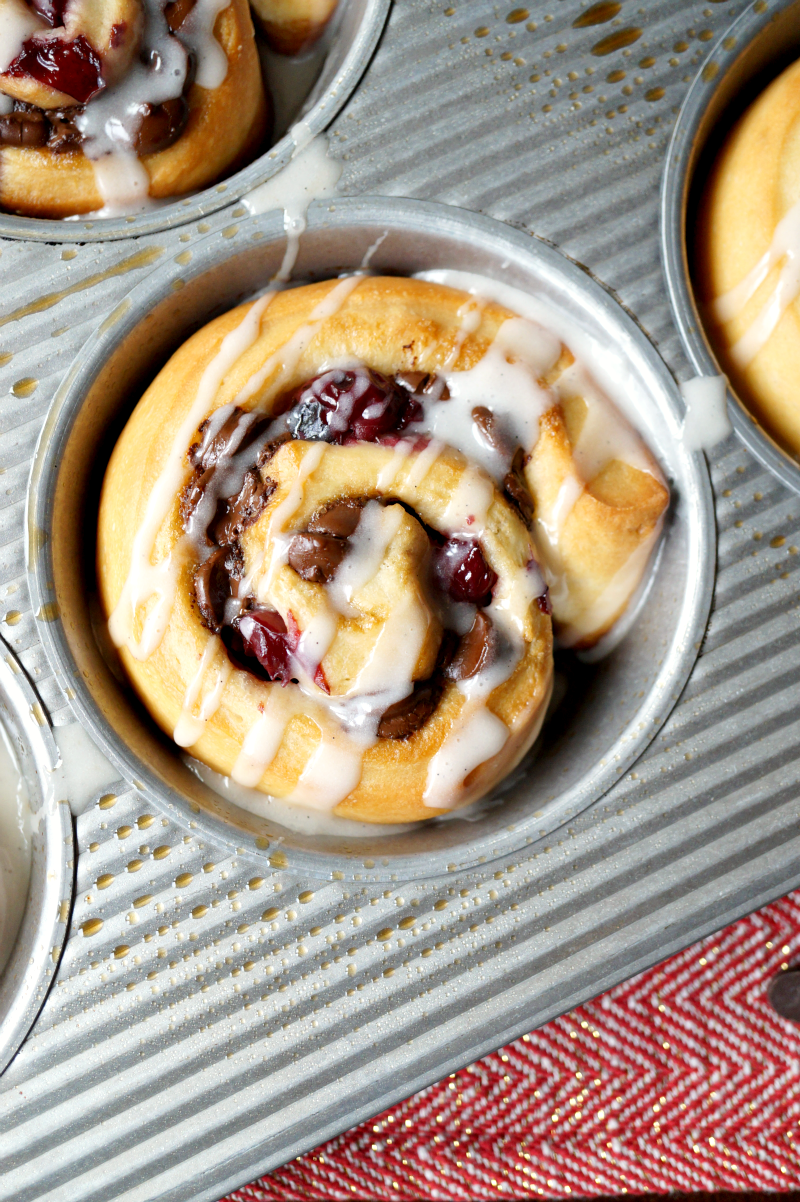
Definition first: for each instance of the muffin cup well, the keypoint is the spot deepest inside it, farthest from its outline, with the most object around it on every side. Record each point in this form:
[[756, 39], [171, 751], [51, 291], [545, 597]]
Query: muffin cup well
[[615, 705]]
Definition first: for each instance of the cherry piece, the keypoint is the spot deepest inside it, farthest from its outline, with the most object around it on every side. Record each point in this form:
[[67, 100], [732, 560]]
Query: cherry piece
[[72, 67], [265, 636], [461, 570], [356, 403]]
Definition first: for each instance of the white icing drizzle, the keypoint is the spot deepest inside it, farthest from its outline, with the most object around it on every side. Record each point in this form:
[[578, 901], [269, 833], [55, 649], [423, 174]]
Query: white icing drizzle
[[189, 726], [423, 463], [475, 738], [468, 508], [366, 550], [785, 245], [145, 579], [197, 31], [276, 546], [389, 473], [311, 174], [505, 381], [264, 737], [706, 422], [334, 768], [286, 358], [389, 671]]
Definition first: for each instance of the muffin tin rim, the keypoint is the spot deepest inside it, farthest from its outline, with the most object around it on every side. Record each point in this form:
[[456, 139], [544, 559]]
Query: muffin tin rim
[[37, 951], [404, 216], [210, 200], [675, 184]]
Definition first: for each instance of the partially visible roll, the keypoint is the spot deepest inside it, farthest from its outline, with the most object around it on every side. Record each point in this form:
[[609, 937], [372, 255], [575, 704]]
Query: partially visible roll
[[108, 119], [292, 26], [747, 256]]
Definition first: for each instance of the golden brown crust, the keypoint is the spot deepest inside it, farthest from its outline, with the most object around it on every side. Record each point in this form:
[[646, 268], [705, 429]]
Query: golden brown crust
[[754, 183], [226, 127], [291, 26]]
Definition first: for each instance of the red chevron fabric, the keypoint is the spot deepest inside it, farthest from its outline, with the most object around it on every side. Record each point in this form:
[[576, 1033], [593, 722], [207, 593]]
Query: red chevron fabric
[[682, 1078]]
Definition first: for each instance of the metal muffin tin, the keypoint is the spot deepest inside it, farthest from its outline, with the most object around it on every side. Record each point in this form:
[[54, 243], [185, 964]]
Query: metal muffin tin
[[33, 961], [218, 1009], [753, 51], [350, 44], [610, 712]]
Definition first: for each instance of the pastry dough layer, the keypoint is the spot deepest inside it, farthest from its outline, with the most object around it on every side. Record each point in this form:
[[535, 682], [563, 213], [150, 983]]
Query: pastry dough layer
[[291, 26]]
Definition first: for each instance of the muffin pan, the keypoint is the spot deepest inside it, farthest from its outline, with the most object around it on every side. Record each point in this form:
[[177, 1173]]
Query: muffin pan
[[222, 1005]]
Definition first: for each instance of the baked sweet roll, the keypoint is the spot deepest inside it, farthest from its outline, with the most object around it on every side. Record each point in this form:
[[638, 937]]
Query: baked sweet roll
[[109, 105], [747, 249], [318, 549], [292, 26]]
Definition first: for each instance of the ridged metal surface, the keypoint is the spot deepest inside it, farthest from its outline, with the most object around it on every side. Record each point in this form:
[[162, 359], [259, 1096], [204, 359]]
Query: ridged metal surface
[[179, 1076]]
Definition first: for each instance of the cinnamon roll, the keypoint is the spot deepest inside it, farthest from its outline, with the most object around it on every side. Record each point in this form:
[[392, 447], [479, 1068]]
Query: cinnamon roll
[[109, 105], [292, 26], [319, 547], [747, 246]]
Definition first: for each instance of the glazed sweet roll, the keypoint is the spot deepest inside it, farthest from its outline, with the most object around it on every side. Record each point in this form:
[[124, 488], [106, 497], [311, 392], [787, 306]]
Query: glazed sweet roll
[[108, 105], [747, 246], [318, 543], [292, 26]]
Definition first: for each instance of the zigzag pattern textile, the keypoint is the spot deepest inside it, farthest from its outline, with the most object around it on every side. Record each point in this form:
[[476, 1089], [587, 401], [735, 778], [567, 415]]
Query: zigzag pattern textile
[[682, 1078]]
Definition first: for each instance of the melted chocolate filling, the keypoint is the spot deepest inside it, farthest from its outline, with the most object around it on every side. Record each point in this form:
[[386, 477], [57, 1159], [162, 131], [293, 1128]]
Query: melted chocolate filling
[[229, 488]]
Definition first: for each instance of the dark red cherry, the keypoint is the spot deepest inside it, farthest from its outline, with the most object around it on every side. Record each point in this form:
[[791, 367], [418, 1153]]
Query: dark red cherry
[[462, 572], [354, 403], [72, 67], [265, 636]]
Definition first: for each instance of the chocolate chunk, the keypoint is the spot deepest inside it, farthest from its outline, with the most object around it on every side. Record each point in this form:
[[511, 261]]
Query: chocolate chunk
[[413, 381], [23, 129], [490, 428], [437, 386], [214, 583], [339, 519], [404, 717], [516, 488], [784, 994], [64, 133], [176, 12], [241, 511], [316, 557], [476, 650], [161, 126]]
